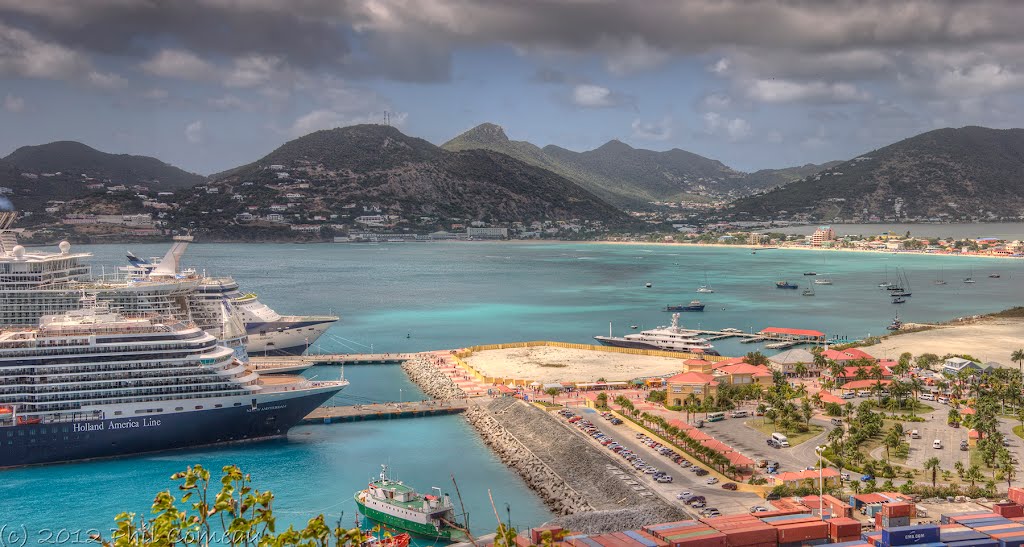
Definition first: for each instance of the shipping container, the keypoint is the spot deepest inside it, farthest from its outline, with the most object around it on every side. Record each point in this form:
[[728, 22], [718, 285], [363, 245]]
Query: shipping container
[[647, 539], [1001, 528], [1016, 495], [991, 521], [848, 539], [952, 517], [1015, 541], [681, 534], [792, 517], [742, 537], [798, 533], [664, 533], [986, 542], [958, 535], [665, 525], [910, 535], [1008, 510], [843, 527], [894, 522], [711, 540], [851, 544], [897, 509]]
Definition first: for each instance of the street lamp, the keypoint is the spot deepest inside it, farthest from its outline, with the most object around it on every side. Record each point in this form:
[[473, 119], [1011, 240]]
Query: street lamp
[[821, 483], [399, 395]]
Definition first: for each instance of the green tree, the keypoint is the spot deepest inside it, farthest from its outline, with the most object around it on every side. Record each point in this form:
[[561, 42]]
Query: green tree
[[933, 464], [554, 391], [1018, 356], [602, 400]]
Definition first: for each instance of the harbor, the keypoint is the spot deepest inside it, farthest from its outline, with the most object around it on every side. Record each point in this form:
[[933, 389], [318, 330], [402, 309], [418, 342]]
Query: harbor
[[384, 411]]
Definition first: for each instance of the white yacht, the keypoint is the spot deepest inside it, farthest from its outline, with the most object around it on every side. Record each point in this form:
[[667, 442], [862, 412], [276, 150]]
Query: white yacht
[[670, 338], [92, 383]]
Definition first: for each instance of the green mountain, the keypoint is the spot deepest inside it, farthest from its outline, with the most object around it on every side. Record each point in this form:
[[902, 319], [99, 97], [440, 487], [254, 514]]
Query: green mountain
[[770, 178], [965, 173], [632, 177], [75, 159], [374, 169]]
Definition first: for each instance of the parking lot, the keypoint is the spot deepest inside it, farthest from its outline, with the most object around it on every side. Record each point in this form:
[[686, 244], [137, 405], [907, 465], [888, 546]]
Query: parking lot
[[683, 479], [753, 444]]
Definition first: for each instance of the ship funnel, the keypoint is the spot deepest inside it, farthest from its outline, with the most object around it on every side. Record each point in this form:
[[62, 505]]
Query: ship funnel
[[447, 500]]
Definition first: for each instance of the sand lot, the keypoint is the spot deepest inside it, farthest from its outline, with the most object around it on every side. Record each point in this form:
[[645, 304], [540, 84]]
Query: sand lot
[[988, 339], [549, 364]]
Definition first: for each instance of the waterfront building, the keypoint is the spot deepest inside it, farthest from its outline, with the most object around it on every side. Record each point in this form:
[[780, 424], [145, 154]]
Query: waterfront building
[[823, 236], [487, 233]]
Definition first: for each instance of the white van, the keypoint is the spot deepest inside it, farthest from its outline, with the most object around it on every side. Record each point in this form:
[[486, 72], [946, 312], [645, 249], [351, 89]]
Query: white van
[[914, 434], [781, 439], [739, 414], [943, 399], [927, 397], [936, 444]]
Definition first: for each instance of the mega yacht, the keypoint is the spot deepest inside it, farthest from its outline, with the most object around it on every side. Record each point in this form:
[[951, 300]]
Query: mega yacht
[[670, 338], [216, 298], [92, 383]]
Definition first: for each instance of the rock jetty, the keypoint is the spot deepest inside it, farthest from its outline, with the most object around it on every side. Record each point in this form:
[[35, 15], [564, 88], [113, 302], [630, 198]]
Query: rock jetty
[[425, 374], [572, 476]]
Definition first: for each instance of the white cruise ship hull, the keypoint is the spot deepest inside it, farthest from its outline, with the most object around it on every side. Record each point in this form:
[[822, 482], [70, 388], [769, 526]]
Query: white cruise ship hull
[[290, 335]]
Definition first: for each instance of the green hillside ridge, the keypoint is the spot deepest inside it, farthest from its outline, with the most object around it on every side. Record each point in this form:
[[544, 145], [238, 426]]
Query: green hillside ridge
[[75, 159], [378, 168], [948, 174], [631, 177]]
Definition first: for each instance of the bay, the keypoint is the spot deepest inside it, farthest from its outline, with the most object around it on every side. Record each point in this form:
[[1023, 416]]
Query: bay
[[411, 297]]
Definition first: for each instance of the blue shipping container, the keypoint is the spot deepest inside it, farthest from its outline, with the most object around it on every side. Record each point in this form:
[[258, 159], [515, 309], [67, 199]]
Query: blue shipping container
[[1013, 541], [911, 535], [966, 535], [994, 521], [987, 542], [944, 519], [640, 538]]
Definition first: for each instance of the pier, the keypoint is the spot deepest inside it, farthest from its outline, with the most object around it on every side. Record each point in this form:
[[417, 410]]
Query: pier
[[384, 411], [297, 363]]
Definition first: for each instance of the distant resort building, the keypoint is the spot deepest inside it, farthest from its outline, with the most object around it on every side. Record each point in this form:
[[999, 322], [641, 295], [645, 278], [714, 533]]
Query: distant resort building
[[487, 233], [954, 365], [824, 235], [786, 361]]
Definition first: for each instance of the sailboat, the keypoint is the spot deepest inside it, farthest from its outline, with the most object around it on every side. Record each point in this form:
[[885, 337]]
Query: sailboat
[[940, 280], [706, 287], [809, 291], [902, 285], [886, 284], [971, 278], [827, 280]]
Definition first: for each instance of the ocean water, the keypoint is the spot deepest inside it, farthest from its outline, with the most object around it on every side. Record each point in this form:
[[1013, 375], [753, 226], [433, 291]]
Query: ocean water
[[408, 297]]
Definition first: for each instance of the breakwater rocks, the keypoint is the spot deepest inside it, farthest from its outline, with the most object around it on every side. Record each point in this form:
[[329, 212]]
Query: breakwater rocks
[[425, 374], [559, 496], [571, 475]]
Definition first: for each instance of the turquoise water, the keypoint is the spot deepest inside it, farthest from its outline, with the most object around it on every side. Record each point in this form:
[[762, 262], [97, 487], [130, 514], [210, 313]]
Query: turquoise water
[[404, 297]]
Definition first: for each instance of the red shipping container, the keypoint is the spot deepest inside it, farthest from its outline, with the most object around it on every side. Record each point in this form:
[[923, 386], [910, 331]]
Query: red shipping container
[[666, 533], [714, 540], [1008, 510], [684, 533], [626, 540], [742, 537], [845, 539], [787, 522], [966, 518], [522, 541], [878, 521], [803, 532], [1016, 495], [897, 509], [843, 527]]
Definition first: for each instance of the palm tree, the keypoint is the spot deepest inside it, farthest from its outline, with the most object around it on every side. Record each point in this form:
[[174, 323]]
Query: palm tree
[[973, 475], [933, 464], [553, 392], [1018, 356]]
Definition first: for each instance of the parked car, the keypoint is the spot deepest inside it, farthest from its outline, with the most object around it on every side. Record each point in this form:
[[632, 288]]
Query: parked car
[[711, 480], [844, 476], [730, 486], [685, 495], [964, 446], [866, 478], [772, 496], [698, 504], [701, 472], [664, 479], [758, 509]]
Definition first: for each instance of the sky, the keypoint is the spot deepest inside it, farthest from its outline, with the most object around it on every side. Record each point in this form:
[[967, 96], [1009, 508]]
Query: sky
[[211, 84]]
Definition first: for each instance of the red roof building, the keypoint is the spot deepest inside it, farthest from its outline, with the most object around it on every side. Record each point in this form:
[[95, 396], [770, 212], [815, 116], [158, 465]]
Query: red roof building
[[682, 385], [802, 478], [781, 332]]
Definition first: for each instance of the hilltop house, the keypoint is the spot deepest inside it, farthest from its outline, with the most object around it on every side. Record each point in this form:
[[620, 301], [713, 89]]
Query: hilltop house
[[954, 365]]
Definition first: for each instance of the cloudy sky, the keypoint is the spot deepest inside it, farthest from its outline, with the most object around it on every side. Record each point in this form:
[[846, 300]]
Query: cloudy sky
[[210, 84]]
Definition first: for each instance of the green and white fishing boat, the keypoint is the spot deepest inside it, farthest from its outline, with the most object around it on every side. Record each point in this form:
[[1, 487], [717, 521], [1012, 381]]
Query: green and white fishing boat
[[397, 505]]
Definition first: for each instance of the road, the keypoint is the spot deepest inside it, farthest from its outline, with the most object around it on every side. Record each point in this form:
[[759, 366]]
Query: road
[[727, 502], [753, 443]]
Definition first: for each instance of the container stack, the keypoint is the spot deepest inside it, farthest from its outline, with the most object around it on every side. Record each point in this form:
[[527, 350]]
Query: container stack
[[744, 531], [843, 530], [687, 533], [920, 535]]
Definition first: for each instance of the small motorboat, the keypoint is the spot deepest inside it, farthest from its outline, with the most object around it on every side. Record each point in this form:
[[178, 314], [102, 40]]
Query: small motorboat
[[694, 305], [648, 285], [969, 280], [810, 273], [994, 276], [785, 285], [634, 327], [899, 300]]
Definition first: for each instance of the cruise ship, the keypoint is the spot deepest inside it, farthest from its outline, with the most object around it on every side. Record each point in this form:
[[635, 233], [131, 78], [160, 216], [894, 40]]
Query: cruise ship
[[267, 332], [92, 383], [670, 338]]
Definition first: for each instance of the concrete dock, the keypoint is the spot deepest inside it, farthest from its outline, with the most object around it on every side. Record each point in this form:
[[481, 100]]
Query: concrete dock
[[384, 411], [305, 361]]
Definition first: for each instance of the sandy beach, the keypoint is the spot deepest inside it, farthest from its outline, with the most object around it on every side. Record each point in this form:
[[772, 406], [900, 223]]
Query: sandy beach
[[550, 364], [791, 248], [988, 339]]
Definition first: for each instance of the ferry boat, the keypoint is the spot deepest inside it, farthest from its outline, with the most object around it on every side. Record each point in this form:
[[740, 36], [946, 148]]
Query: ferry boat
[[92, 383], [694, 305], [398, 505], [670, 338], [785, 285], [267, 332]]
